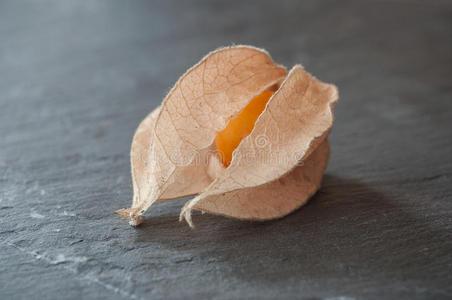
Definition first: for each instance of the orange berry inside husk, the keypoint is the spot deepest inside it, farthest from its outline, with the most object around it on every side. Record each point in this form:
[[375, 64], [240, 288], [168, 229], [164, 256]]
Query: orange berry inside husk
[[240, 127]]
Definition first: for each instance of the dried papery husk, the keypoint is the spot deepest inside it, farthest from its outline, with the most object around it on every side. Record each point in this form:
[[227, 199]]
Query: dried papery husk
[[294, 123], [273, 171], [200, 104]]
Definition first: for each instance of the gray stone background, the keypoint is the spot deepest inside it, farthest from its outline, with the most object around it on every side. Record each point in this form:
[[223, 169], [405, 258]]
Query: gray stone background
[[76, 78]]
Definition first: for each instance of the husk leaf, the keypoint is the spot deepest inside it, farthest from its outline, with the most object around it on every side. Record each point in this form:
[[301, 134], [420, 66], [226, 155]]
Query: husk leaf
[[274, 199], [181, 132], [296, 120]]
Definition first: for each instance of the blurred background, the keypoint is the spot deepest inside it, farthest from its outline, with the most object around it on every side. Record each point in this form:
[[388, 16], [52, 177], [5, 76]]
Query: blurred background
[[72, 61], [77, 77]]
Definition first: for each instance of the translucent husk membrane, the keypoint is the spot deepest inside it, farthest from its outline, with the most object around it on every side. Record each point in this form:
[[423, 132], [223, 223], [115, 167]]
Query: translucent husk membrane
[[273, 170]]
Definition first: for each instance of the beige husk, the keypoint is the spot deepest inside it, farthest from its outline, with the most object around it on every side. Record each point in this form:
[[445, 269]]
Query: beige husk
[[273, 171]]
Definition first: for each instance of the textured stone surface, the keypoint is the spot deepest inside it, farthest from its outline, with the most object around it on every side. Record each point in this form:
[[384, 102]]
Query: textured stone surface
[[76, 78]]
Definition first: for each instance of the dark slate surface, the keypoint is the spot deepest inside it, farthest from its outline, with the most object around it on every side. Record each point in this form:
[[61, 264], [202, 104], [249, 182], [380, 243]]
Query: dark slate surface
[[76, 78]]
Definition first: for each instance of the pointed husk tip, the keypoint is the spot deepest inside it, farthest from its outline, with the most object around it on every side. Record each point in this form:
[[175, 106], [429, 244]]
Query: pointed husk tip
[[134, 218]]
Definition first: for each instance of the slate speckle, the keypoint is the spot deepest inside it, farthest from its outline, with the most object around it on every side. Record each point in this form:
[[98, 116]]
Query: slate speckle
[[76, 78]]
